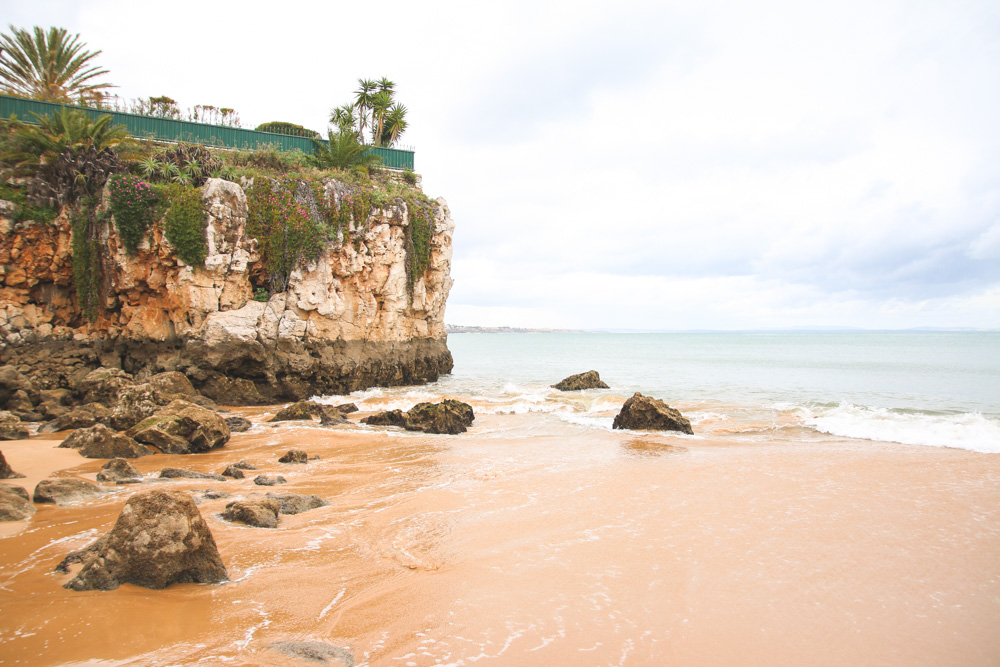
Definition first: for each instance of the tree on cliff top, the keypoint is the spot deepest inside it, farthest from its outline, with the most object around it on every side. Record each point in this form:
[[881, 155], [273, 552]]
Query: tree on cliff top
[[50, 66], [374, 107]]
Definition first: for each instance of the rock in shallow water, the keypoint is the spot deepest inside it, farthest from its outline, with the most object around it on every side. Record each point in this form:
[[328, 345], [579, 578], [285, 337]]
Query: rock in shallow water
[[294, 456], [182, 428], [179, 473], [644, 412], [296, 503], [264, 480], [254, 511], [315, 652], [14, 503], [160, 538], [448, 416], [66, 490], [118, 470], [5, 470], [588, 380], [238, 424], [100, 442]]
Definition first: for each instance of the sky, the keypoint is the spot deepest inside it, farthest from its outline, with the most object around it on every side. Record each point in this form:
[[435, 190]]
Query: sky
[[639, 165]]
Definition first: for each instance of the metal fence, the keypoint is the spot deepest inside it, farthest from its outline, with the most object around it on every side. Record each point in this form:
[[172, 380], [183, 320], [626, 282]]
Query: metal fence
[[168, 129]]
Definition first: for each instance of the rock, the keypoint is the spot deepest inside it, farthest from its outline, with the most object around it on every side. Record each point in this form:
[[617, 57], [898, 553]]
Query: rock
[[212, 494], [50, 410], [588, 380], [243, 465], [177, 473], [294, 456], [102, 384], [346, 408], [329, 415], [172, 382], [234, 472], [254, 511], [12, 384], [231, 391], [135, 403], [644, 412], [264, 480], [448, 416], [5, 470], [100, 442], [160, 538], [118, 470], [203, 401], [14, 503], [82, 555], [296, 411], [182, 428], [314, 652], [296, 503], [238, 424], [13, 431], [389, 418], [66, 490], [83, 416]]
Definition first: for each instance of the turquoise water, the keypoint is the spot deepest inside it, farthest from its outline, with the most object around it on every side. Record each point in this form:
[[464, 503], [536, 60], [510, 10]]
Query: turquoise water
[[940, 389]]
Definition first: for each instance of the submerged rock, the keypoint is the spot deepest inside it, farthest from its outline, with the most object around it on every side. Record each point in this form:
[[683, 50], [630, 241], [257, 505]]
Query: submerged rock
[[238, 424], [588, 380], [179, 473], [294, 456], [159, 539], [100, 442], [6, 472], [254, 511], [296, 503], [182, 428], [315, 652], [448, 416], [302, 410], [120, 471], [66, 490], [15, 504], [264, 480], [243, 465], [643, 412]]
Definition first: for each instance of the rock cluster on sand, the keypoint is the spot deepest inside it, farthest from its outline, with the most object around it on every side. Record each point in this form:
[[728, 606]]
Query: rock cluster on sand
[[160, 538], [306, 410], [14, 503], [66, 490], [293, 456], [181, 473], [314, 652], [5, 470], [448, 416], [100, 442], [263, 511], [643, 412], [588, 380], [182, 428], [119, 471]]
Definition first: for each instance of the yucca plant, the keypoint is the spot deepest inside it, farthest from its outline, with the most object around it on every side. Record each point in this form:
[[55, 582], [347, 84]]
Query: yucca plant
[[50, 66], [342, 151]]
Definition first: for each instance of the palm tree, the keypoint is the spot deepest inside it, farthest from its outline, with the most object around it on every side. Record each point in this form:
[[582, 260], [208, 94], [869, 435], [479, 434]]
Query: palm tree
[[343, 118], [381, 102], [363, 101], [49, 66], [395, 123], [342, 151]]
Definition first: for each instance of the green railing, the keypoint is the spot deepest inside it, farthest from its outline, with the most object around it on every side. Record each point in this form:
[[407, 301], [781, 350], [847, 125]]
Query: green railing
[[168, 129]]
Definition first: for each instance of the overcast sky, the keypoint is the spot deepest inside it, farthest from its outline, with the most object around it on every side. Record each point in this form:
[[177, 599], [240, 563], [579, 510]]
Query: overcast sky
[[640, 165]]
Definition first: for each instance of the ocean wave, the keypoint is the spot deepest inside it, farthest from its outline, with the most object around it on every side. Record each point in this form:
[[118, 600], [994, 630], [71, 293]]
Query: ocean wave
[[971, 431]]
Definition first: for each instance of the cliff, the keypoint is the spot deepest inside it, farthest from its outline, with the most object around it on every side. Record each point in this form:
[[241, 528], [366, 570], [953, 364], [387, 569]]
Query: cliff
[[348, 320]]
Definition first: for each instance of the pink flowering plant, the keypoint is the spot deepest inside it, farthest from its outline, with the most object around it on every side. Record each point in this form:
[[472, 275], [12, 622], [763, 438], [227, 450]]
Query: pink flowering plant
[[132, 203], [285, 229]]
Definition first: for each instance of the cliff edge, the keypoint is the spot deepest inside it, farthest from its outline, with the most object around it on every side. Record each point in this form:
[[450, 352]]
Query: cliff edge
[[353, 317]]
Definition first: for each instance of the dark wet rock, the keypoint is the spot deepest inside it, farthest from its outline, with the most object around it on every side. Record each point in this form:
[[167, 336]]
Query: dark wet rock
[[314, 652], [100, 442], [646, 413], [179, 473], [448, 416], [182, 428], [160, 538], [13, 429], [301, 410], [5, 470], [238, 424], [101, 385], [387, 418], [254, 511], [15, 504], [14, 388], [65, 490], [234, 472], [588, 380], [296, 503], [82, 416], [346, 408], [264, 480], [120, 471], [243, 465], [329, 415], [294, 456], [172, 382]]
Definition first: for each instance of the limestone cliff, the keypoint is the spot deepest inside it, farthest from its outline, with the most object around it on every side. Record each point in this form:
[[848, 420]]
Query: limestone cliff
[[347, 320]]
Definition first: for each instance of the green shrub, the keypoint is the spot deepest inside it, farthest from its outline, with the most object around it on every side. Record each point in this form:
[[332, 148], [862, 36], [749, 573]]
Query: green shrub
[[25, 210], [281, 127], [261, 294], [184, 224], [409, 177], [132, 204], [86, 258], [418, 246]]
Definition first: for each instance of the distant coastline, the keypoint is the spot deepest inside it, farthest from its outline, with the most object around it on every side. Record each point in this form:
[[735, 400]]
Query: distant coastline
[[456, 328]]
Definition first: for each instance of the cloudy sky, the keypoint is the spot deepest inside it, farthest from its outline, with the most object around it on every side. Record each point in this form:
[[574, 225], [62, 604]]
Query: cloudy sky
[[640, 165]]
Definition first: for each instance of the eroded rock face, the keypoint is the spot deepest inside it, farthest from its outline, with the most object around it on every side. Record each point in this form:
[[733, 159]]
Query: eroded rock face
[[646, 413], [580, 381], [254, 511], [102, 384], [182, 428], [100, 442], [159, 539], [66, 490], [14, 503]]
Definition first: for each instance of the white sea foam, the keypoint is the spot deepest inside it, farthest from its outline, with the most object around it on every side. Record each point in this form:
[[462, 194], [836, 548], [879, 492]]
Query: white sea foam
[[970, 431]]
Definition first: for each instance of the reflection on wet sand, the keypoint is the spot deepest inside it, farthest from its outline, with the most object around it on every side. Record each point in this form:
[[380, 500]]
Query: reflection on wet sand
[[571, 546]]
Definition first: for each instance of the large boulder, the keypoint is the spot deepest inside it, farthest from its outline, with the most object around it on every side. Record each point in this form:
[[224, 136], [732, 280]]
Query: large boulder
[[226, 390], [178, 473], [135, 403], [14, 503], [66, 490], [448, 416], [254, 511], [172, 382], [296, 503], [100, 442], [119, 471], [387, 418], [301, 410], [588, 380], [83, 416], [182, 428], [101, 385], [647, 413], [13, 388], [5, 470], [159, 539]]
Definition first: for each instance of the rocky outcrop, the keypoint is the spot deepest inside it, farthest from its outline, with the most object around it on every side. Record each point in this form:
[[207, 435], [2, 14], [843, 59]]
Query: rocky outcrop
[[119, 471], [159, 539], [448, 417], [66, 490], [347, 321], [14, 503], [254, 511], [646, 413], [5, 470], [100, 442], [182, 428], [580, 381]]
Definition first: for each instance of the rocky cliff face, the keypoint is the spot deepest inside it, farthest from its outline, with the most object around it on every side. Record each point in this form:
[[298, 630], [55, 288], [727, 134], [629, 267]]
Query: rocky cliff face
[[347, 320]]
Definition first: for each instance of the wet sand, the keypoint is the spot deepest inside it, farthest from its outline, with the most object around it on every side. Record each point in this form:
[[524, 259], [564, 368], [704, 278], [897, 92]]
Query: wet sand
[[532, 542]]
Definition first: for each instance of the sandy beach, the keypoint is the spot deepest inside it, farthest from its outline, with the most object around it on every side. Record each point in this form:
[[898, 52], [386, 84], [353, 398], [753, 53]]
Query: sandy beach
[[559, 548]]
